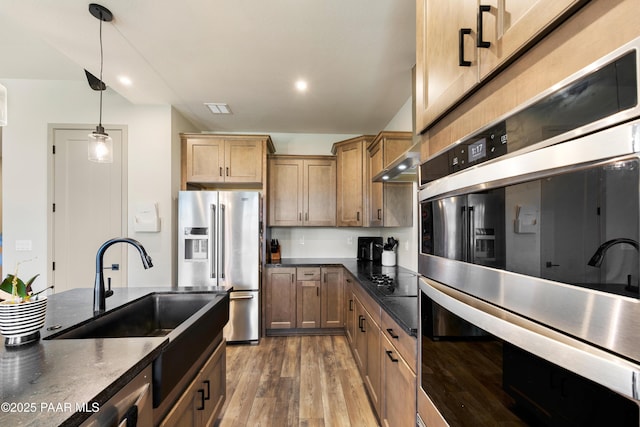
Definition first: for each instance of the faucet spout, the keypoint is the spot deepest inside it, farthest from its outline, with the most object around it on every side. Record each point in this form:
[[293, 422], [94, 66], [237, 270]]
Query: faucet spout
[[99, 293], [598, 257]]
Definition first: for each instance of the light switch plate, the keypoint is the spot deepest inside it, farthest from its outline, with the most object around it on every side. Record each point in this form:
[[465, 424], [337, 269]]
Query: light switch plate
[[24, 245]]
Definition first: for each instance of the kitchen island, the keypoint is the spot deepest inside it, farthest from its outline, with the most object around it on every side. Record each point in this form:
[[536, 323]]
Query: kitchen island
[[65, 381]]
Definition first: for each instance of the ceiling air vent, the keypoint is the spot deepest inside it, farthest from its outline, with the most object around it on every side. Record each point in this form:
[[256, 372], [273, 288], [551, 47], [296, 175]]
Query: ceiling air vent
[[218, 108]]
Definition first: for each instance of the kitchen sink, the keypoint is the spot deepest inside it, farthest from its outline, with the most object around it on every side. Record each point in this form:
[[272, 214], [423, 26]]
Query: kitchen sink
[[190, 321], [153, 315]]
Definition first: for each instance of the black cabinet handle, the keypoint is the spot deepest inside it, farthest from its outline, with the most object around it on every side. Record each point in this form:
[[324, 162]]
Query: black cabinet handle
[[201, 393], [461, 34], [358, 216], [220, 170], [360, 321], [479, 42], [227, 170], [350, 305], [208, 395], [379, 213], [390, 354], [394, 336]]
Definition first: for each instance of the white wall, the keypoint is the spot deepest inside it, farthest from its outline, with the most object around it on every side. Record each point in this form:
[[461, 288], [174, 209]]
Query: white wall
[[321, 242], [152, 170]]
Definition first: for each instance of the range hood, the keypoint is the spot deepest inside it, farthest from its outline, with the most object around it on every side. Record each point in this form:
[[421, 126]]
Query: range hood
[[403, 168]]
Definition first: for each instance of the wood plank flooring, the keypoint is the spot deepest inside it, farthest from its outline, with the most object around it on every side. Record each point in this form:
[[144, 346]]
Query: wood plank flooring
[[295, 381]]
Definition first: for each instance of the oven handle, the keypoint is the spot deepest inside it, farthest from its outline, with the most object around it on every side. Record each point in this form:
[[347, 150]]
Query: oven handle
[[615, 373]]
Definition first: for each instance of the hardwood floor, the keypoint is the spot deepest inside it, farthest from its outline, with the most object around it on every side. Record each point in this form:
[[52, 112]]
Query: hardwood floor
[[295, 381]]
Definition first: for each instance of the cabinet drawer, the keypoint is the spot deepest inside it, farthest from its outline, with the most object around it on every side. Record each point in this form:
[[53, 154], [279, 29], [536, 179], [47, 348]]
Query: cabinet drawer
[[308, 273], [404, 343]]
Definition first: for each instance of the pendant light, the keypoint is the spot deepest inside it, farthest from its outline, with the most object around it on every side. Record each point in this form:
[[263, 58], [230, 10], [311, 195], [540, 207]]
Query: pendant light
[[100, 143]]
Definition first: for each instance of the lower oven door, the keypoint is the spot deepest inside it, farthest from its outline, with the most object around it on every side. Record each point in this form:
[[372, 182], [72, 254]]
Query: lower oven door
[[517, 373]]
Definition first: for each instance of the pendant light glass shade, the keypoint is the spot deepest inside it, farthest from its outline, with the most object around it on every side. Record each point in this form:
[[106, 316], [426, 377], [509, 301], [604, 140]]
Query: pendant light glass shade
[[100, 146], [3, 106], [100, 143]]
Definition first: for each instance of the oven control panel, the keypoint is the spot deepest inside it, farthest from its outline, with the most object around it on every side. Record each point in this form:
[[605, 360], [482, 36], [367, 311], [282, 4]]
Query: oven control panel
[[481, 147]]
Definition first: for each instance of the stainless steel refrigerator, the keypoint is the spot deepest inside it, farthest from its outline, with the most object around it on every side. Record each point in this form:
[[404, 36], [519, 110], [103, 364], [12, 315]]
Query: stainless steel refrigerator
[[219, 245]]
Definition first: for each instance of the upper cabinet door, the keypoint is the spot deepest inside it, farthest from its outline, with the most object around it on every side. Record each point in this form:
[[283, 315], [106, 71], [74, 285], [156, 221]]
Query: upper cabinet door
[[205, 160], [445, 32], [350, 193], [510, 25], [460, 43], [319, 199], [243, 161], [285, 191]]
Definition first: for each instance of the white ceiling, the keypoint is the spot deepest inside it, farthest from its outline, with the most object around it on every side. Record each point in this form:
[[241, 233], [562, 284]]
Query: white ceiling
[[355, 54]]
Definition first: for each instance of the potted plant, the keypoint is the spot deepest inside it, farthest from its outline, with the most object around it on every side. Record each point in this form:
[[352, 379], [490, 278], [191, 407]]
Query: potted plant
[[22, 312]]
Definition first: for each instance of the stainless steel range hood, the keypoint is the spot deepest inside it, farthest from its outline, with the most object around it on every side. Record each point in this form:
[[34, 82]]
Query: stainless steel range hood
[[402, 169]]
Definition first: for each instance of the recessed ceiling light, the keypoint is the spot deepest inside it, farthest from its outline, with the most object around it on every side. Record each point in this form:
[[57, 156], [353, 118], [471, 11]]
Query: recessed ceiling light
[[301, 85], [218, 107], [124, 80]]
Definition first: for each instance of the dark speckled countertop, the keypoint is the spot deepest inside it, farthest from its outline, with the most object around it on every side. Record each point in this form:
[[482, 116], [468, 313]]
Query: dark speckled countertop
[[41, 383], [404, 309]]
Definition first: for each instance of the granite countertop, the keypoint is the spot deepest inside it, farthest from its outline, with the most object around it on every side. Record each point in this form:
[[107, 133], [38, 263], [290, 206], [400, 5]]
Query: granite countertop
[[43, 383], [404, 309]]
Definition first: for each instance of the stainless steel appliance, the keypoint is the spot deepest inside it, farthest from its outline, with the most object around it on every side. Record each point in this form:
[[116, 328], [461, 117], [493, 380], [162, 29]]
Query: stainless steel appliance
[[549, 278], [219, 245]]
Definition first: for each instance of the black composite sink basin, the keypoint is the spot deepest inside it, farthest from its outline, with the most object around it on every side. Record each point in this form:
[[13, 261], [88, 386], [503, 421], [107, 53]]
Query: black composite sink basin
[[190, 321]]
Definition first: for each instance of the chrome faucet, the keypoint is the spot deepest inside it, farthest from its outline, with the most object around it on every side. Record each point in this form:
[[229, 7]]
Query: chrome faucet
[[99, 293], [596, 259]]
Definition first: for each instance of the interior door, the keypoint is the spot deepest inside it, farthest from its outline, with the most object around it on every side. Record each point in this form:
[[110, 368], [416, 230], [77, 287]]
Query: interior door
[[87, 210]]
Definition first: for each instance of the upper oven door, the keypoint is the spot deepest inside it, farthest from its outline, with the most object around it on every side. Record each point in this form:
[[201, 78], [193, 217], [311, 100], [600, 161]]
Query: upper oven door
[[562, 245]]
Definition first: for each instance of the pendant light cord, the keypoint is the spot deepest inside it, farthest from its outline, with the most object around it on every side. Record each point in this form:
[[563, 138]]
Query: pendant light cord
[[101, 82]]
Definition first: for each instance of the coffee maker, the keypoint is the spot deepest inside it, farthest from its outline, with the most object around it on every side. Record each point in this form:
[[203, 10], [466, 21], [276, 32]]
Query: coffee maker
[[370, 249]]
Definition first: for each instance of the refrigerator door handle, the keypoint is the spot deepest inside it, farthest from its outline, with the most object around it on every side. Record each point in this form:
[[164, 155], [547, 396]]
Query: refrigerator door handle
[[212, 244], [222, 264], [472, 235], [464, 236]]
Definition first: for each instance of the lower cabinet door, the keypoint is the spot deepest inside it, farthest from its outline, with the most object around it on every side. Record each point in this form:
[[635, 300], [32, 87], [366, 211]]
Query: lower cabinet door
[[399, 384], [201, 403]]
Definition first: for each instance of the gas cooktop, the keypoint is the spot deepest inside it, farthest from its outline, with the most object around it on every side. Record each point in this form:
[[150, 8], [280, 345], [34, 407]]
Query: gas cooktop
[[395, 284]]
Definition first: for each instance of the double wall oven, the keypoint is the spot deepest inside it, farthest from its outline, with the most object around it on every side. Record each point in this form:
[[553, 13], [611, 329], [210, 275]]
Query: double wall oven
[[529, 290]]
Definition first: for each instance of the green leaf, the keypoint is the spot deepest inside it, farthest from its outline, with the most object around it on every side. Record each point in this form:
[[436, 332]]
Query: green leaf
[[7, 286], [27, 285]]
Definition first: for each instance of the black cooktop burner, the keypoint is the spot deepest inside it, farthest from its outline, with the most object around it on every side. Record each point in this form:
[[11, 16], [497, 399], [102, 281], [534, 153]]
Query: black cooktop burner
[[402, 285]]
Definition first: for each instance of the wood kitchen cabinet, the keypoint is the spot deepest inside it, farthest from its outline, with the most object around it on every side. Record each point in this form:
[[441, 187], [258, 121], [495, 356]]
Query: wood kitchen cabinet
[[363, 333], [398, 388], [465, 42], [390, 204], [281, 298], [202, 402], [212, 159], [302, 191], [308, 297], [332, 297], [302, 298], [352, 181]]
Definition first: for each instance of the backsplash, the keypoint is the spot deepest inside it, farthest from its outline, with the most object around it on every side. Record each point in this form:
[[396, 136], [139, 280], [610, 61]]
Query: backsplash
[[321, 242]]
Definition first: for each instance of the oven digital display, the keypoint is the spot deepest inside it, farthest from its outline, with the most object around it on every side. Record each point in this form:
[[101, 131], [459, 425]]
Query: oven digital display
[[478, 150]]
